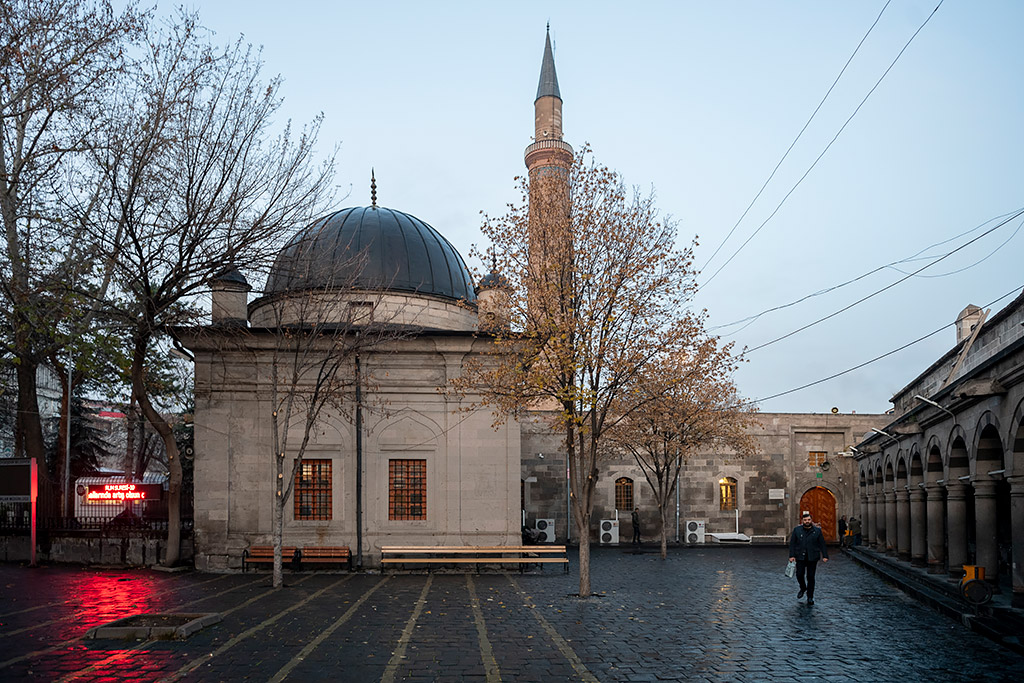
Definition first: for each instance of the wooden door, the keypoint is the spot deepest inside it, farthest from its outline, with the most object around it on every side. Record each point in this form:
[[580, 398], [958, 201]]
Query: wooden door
[[822, 505]]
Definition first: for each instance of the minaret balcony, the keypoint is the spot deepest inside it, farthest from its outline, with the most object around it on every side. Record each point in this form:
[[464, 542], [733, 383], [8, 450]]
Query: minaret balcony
[[548, 153]]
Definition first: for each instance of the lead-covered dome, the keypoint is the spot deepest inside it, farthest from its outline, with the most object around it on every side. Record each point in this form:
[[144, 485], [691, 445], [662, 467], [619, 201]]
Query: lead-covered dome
[[372, 248]]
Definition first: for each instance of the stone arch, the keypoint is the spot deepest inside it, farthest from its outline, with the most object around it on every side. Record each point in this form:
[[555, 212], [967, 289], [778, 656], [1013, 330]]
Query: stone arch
[[916, 467], [889, 482], [901, 473], [879, 479], [988, 445], [934, 467], [1015, 455], [409, 431], [958, 462]]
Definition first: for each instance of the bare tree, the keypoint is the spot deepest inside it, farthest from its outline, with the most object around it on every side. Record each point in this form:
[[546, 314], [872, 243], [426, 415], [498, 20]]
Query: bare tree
[[58, 63], [598, 291], [687, 401], [197, 184]]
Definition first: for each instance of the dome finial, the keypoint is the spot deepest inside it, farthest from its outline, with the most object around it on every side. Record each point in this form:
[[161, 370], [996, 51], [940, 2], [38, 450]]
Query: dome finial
[[373, 189]]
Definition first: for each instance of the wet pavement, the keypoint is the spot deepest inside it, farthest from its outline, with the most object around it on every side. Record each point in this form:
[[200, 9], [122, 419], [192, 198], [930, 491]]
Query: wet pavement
[[715, 614]]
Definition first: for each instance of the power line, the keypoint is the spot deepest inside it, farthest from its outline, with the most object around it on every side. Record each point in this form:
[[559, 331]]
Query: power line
[[887, 287], [873, 360], [827, 147], [797, 138], [915, 257]]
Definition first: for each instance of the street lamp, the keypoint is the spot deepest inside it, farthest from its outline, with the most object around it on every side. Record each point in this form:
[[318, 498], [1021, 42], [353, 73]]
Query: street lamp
[[930, 402], [888, 436]]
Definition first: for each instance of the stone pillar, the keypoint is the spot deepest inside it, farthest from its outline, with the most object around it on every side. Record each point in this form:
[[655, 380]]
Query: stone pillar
[[890, 523], [936, 528], [1017, 531], [918, 528], [878, 521], [987, 552], [865, 519], [956, 527], [903, 523]]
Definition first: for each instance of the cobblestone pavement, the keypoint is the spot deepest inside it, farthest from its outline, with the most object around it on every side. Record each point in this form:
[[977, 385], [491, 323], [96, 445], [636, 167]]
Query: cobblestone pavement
[[716, 614]]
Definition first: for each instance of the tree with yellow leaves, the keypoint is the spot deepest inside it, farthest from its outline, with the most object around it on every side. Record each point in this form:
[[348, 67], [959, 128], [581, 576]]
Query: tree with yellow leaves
[[597, 291], [680, 403]]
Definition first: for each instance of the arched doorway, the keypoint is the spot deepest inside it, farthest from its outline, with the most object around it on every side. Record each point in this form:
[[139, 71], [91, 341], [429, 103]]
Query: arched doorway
[[822, 505]]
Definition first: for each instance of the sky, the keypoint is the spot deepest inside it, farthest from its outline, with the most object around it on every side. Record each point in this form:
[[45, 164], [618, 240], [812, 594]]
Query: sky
[[912, 154]]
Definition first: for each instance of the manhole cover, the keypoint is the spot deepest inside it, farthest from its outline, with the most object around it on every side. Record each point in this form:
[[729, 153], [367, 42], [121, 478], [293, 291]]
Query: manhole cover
[[151, 626]]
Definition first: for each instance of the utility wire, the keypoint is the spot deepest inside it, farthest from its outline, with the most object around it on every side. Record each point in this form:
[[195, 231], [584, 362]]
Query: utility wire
[[797, 138], [749, 320], [875, 359], [827, 147], [889, 286]]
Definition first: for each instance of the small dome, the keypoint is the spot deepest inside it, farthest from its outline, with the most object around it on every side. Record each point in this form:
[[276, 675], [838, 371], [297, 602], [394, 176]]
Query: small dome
[[232, 276], [371, 248], [493, 280]]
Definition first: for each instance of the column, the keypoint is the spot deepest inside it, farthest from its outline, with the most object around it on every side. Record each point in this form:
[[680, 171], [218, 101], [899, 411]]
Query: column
[[878, 521], [936, 527], [865, 519], [903, 523], [987, 552], [1017, 532], [918, 528], [890, 523], [956, 522]]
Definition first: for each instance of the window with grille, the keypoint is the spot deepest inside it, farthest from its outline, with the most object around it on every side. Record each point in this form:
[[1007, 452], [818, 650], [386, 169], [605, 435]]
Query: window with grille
[[624, 493], [727, 485], [313, 490], [815, 458], [407, 489]]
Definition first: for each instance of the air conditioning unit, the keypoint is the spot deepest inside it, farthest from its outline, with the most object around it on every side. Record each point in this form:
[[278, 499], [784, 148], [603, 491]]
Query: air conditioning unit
[[546, 527], [695, 530], [609, 532]]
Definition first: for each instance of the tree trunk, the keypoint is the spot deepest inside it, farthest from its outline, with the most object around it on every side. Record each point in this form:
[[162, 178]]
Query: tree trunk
[[173, 461], [583, 530], [278, 542], [29, 432]]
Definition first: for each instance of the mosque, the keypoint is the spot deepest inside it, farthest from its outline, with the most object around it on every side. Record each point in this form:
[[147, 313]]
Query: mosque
[[423, 466]]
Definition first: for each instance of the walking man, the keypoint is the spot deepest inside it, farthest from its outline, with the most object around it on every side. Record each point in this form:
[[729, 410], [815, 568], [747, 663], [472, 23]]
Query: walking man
[[842, 531], [636, 526], [807, 546]]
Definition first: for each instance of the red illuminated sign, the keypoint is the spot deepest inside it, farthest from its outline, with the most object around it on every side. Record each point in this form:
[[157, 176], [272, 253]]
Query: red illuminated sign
[[119, 493]]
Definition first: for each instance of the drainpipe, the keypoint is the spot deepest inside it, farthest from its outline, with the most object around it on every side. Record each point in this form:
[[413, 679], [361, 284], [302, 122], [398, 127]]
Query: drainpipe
[[359, 468]]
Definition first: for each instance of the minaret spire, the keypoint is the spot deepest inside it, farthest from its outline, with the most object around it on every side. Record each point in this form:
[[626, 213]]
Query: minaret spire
[[548, 86], [373, 190]]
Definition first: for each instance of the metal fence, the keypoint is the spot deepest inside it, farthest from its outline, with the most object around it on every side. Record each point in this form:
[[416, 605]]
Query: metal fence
[[16, 520]]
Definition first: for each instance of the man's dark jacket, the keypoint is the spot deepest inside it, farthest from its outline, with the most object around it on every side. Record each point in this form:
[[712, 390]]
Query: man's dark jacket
[[807, 544]]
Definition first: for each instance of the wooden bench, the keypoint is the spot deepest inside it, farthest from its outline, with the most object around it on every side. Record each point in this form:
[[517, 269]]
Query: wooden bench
[[325, 555], [521, 555], [264, 554]]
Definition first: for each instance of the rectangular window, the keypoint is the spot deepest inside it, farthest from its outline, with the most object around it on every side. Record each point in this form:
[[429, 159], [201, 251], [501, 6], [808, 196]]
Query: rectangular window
[[360, 312], [407, 489], [624, 493], [727, 487], [313, 490], [815, 458]]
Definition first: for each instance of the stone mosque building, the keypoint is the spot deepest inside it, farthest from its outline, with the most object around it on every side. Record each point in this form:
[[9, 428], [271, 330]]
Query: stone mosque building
[[431, 469]]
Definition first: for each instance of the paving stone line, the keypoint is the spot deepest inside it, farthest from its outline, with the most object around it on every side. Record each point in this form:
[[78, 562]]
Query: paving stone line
[[149, 643], [60, 603], [491, 670], [403, 641], [63, 644], [315, 643], [203, 659], [74, 615], [558, 640]]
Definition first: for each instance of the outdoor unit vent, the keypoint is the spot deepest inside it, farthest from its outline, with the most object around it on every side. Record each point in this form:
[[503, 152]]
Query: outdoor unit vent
[[695, 530], [609, 532], [546, 527]]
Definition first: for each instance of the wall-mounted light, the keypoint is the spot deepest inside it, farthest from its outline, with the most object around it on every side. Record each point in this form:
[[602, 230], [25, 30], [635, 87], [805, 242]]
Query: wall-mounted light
[[930, 402], [888, 436]]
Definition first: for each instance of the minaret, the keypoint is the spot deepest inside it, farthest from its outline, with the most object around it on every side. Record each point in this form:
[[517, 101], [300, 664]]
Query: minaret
[[548, 149], [548, 161]]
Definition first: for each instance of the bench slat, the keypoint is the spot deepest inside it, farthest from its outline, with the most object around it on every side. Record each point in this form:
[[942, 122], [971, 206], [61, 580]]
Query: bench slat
[[473, 560]]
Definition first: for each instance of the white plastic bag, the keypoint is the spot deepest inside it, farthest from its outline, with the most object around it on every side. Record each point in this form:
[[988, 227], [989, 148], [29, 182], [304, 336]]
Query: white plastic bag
[[791, 568]]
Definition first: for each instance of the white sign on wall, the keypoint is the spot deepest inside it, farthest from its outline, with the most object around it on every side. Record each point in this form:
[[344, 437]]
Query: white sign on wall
[[776, 494]]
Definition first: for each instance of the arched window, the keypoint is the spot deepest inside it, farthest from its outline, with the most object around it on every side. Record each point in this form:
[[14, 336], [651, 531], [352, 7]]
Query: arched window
[[727, 485], [624, 493]]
